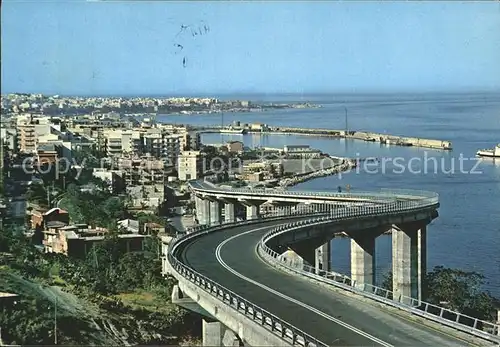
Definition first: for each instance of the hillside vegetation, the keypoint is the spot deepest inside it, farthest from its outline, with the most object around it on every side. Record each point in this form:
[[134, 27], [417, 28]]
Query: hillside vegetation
[[112, 297]]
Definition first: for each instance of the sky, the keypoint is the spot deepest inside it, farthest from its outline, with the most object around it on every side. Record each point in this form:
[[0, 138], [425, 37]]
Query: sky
[[78, 47]]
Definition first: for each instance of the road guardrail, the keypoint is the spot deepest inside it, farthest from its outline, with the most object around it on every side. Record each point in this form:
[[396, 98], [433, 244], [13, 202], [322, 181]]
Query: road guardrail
[[412, 201], [274, 324], [474, 326]]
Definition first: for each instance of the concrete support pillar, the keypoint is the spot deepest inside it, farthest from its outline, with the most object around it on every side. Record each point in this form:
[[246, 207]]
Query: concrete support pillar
[[229, 213], [252, 212], [409, 261], [197, 207], [204, 215], [212, 333], [215, 212], [306, 252], [363, 259], [231, 339], [323, 257]]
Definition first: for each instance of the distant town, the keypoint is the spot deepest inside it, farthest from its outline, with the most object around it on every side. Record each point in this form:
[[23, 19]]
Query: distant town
[[57, 105], [143, 162]]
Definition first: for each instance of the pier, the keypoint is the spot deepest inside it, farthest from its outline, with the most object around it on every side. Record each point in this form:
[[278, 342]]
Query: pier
[[355, 135]]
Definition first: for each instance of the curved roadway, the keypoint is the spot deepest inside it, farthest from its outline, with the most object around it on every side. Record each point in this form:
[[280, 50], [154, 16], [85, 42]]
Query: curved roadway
[[229, 257]]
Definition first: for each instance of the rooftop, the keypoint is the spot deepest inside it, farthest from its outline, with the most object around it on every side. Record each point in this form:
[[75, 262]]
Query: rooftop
[[60, 210], [7, 295]]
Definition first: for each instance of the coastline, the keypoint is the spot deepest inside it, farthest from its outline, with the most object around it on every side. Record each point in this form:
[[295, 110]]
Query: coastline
[[259, 109]]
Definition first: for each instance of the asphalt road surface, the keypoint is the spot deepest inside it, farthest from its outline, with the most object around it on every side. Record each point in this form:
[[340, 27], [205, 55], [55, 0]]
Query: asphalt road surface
[[332, 317]]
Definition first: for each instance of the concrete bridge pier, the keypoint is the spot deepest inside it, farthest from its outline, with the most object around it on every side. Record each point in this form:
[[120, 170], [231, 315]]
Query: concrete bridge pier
[[211, 332], [252, 208], [203, 211], [363, 256], [315, 252], [215, 212], [197, 207], [253, 212], [229, 216], [409, 261], [214, 333], [363, 261], [323, 257]]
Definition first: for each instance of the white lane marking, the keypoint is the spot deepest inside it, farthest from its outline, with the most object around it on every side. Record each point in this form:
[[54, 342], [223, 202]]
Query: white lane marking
[[310, 308]]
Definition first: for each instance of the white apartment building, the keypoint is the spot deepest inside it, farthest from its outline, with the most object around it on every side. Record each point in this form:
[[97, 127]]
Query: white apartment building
[[118, 142], [29, 128], [171, 148], [190, 141], [190, 165], [8, 137], [65, 146], [161, 143]]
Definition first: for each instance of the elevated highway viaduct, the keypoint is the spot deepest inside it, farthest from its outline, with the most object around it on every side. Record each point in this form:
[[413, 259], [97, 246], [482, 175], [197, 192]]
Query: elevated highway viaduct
[[223, 276]]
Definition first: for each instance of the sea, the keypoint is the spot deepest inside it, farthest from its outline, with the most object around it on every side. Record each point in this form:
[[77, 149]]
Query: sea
[[466, 235]]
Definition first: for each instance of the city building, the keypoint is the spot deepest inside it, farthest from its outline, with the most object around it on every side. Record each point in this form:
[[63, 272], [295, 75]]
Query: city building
[[9, 138], [153, 144], [112, 177], [118, 142], [144, 170], [47, 154], [41, 219], [190, 165], [153, 229], [129, 226], [259, 171], [7, 301], [29, 128], [258, 127], [146, 197], [77, 240], [171, 148], [301, 151], [190, 141], [235, 146]]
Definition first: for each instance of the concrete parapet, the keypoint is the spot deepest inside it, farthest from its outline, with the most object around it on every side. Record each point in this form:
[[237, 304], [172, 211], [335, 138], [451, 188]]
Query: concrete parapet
[[249, 332]]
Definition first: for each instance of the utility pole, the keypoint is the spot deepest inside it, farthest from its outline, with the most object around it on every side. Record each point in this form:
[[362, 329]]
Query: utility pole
[[48, 196], [55, 322]]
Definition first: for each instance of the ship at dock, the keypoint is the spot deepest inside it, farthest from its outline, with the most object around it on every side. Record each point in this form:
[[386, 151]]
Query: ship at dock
[[491, 153]]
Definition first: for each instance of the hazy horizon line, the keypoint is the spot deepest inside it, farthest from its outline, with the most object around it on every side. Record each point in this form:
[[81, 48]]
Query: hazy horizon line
[[263, 93]]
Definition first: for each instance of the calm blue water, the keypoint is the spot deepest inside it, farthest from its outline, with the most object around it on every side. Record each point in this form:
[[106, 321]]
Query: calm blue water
[[467, 233]]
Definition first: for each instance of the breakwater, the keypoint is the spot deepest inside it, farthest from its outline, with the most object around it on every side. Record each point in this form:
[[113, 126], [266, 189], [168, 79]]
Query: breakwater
[[395, 140], [345, 165]]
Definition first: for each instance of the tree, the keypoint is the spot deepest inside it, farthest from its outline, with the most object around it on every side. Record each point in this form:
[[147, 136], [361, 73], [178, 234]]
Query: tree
[[461, 290], [37, 194], [456, 290]]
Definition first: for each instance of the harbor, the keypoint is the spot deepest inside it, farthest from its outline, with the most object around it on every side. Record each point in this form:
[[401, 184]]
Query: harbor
[[391, 140]]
